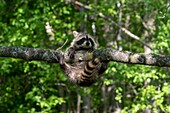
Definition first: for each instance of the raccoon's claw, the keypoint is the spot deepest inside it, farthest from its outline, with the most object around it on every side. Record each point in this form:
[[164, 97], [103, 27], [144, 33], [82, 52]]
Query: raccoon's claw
[[71, 53], [60, 58]]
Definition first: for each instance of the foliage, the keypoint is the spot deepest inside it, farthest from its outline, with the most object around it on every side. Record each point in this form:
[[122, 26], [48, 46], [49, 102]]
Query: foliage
[[41, 87]]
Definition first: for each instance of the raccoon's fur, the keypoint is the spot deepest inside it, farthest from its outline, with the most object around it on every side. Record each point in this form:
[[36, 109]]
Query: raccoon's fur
[[83, 73]]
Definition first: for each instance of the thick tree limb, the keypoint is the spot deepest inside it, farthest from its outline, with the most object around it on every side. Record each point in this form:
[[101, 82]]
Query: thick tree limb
[[29, 54], [133, 58], [108, 54]]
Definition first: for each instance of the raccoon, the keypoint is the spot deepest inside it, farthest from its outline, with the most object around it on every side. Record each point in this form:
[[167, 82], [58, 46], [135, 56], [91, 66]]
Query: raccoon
[[83, 73]]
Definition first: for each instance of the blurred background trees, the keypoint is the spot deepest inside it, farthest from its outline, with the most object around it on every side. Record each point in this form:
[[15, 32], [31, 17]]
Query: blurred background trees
[[41, 87]]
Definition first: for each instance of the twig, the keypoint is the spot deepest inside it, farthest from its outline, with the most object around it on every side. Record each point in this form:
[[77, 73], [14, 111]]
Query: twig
[[58, 49], [79, 4]]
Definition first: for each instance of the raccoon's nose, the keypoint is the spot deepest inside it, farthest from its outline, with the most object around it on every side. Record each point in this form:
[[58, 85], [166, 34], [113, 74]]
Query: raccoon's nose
[[87, 43]]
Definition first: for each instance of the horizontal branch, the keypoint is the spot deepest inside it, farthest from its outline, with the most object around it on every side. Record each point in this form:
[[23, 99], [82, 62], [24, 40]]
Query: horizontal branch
[[108, 54], [29, 54], [133, 58]]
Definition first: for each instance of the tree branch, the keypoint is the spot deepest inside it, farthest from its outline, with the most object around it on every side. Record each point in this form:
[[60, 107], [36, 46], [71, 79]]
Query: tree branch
[[133, 58], [29, 54], [79, 4], [107, 54]]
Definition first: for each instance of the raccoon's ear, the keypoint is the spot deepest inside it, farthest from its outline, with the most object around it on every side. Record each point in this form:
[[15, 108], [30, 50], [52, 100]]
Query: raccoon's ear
[[75, 33]]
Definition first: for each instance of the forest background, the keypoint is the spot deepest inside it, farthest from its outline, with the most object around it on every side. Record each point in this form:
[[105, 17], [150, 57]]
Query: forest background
[[41, 87]]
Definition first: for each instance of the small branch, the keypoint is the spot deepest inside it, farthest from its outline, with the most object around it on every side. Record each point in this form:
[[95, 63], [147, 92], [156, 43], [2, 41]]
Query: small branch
[[107, 54], [79, 4]]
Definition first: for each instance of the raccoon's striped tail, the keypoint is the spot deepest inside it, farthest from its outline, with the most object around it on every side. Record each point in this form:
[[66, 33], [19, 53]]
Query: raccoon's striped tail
[[90, 67]]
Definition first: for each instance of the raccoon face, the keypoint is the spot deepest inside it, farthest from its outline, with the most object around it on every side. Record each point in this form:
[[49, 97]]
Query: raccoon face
[[83, 41]]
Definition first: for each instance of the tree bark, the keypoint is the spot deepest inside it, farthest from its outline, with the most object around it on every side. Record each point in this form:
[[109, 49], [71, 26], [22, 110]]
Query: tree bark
[[29, 54], [105, 55]]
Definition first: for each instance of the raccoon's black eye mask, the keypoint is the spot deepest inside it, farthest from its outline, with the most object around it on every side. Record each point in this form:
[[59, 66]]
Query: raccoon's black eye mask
[[81, 41]]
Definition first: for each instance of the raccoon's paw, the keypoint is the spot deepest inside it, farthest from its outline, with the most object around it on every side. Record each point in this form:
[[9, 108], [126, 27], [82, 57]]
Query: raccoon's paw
[[60, 58], [71, 53]]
